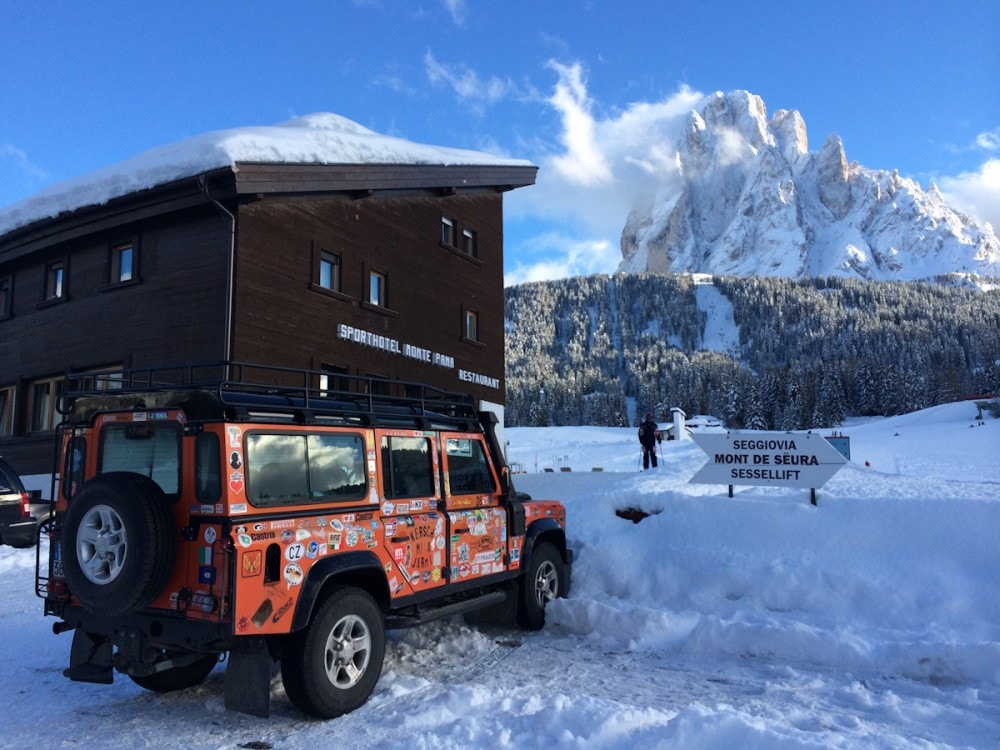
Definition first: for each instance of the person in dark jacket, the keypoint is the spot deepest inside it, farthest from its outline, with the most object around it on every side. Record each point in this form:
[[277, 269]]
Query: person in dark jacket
[[649, 436]]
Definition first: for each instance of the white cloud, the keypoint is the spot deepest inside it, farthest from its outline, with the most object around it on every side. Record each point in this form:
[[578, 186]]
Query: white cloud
[[20, 161], [733, 148], [976, 193], [466, 83], [990, 140], [608, 166], [584, 162], [456, 9], [561, 256]]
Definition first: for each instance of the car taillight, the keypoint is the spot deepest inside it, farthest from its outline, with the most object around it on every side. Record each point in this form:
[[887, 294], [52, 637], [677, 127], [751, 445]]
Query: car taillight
[[57, 589], [25, 505]]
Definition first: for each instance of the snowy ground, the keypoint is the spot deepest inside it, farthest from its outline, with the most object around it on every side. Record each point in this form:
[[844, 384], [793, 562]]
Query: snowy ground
[[871, 620]]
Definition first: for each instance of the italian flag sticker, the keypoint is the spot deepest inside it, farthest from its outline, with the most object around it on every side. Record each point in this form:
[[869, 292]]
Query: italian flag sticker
[[205, 556]]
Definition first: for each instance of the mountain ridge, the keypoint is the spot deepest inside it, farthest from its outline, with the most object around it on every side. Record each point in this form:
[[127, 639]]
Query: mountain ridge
[[753, 200]]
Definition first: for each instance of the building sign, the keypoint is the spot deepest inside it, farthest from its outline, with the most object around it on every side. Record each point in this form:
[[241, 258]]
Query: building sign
[[475, 377], [776, 459], [403, 349]]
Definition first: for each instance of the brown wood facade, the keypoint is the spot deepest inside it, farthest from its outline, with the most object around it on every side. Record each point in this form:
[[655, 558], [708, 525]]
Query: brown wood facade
[[227, 265]]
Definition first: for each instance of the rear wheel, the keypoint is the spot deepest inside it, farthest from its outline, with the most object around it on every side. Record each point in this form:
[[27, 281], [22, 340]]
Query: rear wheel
[[544, 580], [118, 543], [178, 678], [332, 666]]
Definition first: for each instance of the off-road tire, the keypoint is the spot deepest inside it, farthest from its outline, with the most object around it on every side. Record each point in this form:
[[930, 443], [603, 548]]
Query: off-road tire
[[178, 678], [544, 580], [331, 666], [118, 543]]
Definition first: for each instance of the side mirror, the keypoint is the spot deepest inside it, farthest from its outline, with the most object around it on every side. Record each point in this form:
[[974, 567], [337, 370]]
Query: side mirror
[[505, 479]]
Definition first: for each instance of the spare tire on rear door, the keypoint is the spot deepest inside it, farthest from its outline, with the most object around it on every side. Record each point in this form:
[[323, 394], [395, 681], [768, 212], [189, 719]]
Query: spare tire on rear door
[[118, 543]]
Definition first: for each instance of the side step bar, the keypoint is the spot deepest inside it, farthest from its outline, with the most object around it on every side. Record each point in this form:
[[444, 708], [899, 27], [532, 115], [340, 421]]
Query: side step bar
[[398, 621]]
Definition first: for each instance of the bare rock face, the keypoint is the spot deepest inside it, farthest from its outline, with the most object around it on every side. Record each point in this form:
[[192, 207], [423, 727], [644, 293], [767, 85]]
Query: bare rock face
[[832, 177], [755, 201]]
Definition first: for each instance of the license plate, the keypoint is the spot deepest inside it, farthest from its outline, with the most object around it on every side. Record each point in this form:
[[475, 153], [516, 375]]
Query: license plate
[[56, 557]]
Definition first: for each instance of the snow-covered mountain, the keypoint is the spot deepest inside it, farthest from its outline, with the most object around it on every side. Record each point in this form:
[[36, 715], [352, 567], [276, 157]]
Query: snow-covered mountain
[[753, 200]]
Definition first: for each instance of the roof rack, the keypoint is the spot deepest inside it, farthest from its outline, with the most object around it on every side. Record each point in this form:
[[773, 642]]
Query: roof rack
[[245, 391]]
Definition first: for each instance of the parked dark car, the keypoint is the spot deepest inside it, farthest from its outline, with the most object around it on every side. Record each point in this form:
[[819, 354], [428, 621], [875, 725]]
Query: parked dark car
[[21, 512]]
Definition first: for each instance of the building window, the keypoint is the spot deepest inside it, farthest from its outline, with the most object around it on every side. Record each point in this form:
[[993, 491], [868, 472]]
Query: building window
[[377, 289], [110, 378], [6, 297], [447, 231], [471, 327], [7, 410], [329, 271], [122, 263], [55, 280], [378, 385], [469, 245], [42, 396], [334, 378]]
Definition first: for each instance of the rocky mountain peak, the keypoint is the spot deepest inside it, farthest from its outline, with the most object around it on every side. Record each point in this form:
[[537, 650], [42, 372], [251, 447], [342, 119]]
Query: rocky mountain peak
[[755, 201]]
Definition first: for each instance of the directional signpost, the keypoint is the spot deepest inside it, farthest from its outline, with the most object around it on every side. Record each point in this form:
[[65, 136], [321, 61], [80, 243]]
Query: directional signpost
[[770, 459]]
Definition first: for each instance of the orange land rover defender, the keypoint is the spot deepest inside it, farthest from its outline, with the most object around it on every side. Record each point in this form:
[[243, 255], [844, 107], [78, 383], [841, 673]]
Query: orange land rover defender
[[255, 514]]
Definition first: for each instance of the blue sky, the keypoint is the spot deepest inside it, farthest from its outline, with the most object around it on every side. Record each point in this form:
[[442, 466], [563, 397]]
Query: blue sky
[[581, 88]]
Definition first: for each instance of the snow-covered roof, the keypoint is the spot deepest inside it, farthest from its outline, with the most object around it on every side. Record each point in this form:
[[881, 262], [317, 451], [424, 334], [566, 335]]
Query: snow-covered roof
[[321, 138]]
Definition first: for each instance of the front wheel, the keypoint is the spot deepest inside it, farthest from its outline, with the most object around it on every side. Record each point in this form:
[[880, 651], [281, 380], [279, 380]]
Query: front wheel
[[544, 580], [331, 666]]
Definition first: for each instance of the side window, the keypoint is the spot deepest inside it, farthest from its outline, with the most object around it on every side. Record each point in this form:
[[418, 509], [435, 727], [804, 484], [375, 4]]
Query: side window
[[6, 483], [152, 449], [297, 468], [76, 463], [468, 469], [207, 475], [407, 468], [337, 467], [278, 470]]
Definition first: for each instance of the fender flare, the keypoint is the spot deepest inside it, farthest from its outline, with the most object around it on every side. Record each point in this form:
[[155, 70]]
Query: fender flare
[[362, 567], [548, 530]]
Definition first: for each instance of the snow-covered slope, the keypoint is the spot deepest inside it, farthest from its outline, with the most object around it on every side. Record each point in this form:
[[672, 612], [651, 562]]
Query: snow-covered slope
[[755, 201], [758, 622]]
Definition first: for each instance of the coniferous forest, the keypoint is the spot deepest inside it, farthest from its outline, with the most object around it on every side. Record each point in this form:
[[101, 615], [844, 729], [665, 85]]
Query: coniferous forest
[[804, 353]]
